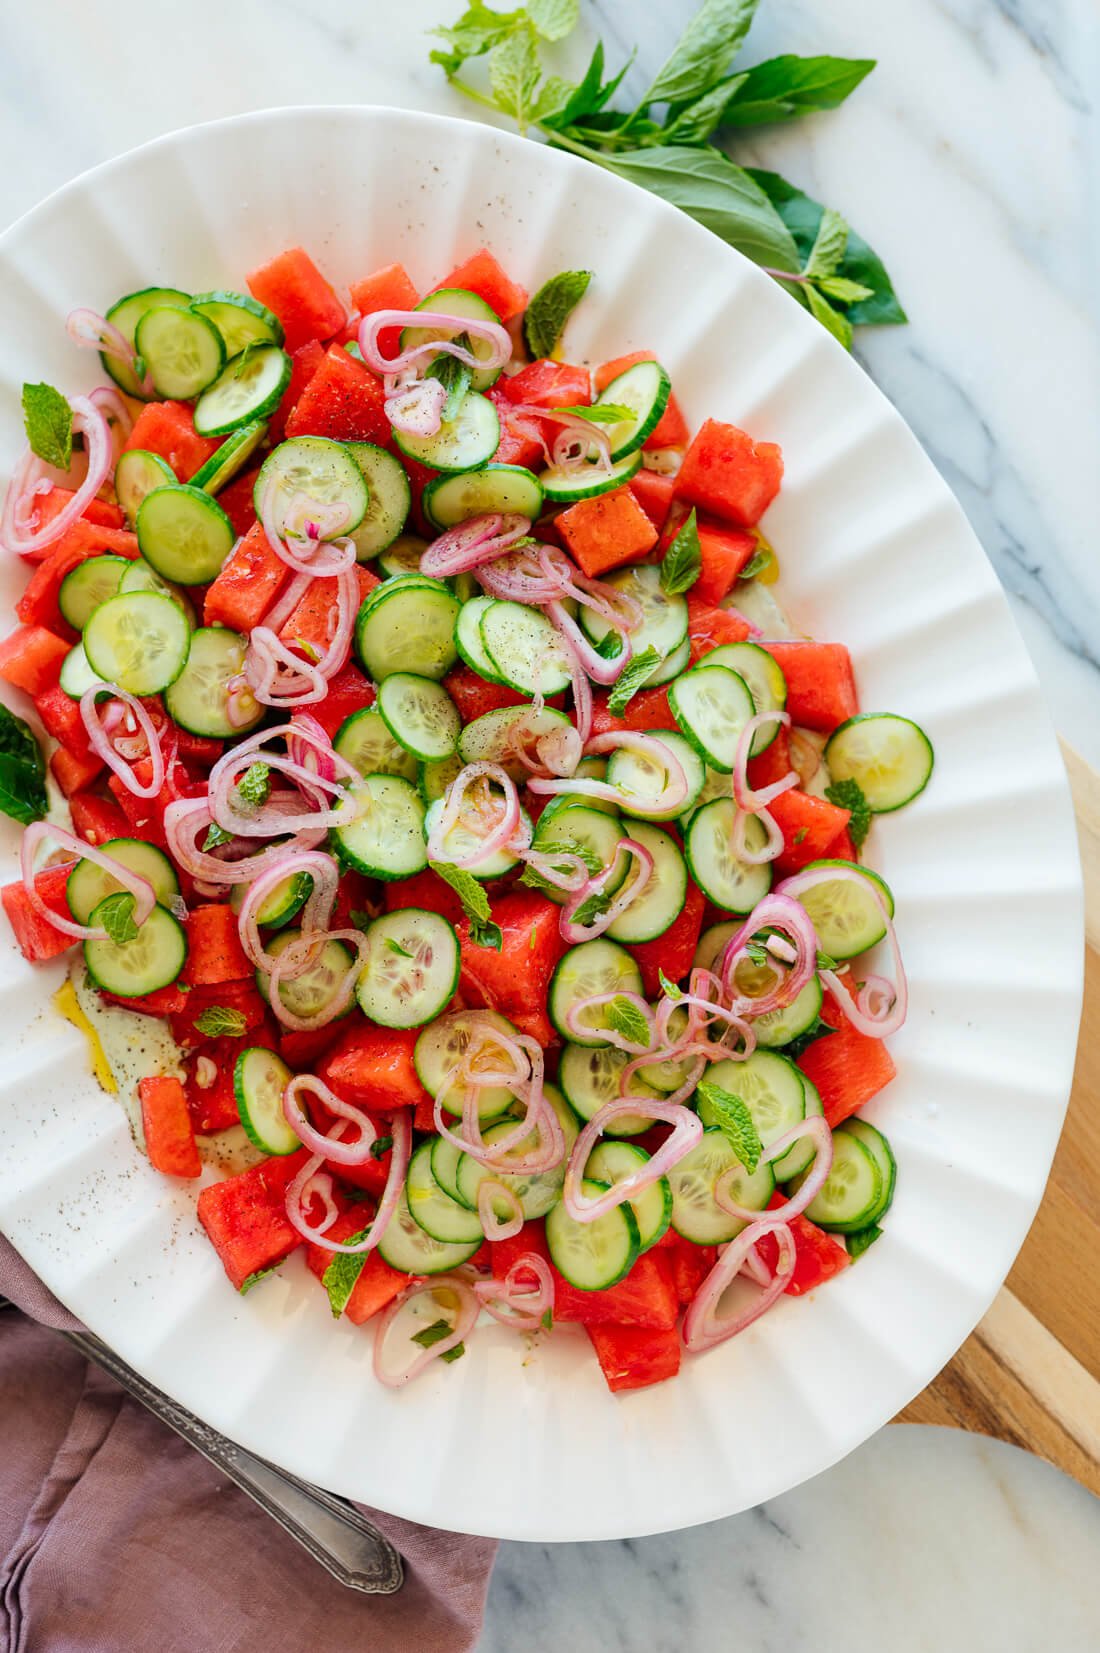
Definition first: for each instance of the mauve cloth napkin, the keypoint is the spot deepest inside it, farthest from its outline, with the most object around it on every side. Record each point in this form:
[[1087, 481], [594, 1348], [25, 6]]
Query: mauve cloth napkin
[[116, 1537]]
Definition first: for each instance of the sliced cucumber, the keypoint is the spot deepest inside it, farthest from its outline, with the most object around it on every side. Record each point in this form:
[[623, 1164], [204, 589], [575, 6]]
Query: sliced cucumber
[[492, 738], [735, 885], [712, 944], [715, 785], [696, 1214], [240, 319], [138, 575], [387, 839], [445, 1161], [764, 677], [712, 705], [593, 968], [449, 500], [641, 778], [389, 502], [468, 638], [524, 648], [308, 993], [184, 534], [846, 915], [420, 715], [410, 972], [409, 1249], [461, 842], [138, 642], [125, 315], [456, 301], [677, 663], [199, 698], [364, 739], [87, 585], [408, 627], [403, 556], [801, 1155], [661, 901], [880, 1151], [76, 674], [433, 779], [669, 1074], [537, 1191], [591, 1077], [131, 969], [593, 1255], [443, 1218], [88, 884], [855, 1193], [282, 904], [770, 1086], [580, 829], [611, 1162], [250, 386], [663, 625], [441, 1047], [182, 350], [565, 487], [645, 388], [889, 757], [779, 1027], [259, 1080], [137, 474], [323, 470], [232, 456], [463, 443]]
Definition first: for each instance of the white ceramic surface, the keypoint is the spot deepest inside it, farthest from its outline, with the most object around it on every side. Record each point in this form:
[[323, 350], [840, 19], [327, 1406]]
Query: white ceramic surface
[[876, 552]]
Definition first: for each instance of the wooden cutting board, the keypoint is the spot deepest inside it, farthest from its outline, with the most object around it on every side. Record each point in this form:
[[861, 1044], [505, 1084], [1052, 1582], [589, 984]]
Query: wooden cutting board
[[1030, 1372]]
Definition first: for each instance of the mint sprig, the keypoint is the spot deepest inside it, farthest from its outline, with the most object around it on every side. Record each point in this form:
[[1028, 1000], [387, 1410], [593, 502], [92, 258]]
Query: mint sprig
[[735, 1121], [48, 419]]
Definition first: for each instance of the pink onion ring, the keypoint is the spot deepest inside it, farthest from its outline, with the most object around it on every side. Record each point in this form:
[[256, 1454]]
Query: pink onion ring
[[339, 1152], [186, 818], [491, 332], [595, 1001], [106, 749], [821, 1136], [875, 1026], [776, 911], [703, 1327], [297, 957], [316, 913], [15, 532], [140, 888], [387, 1205], [91, 330], [467, 1309], [635, 883], [498, 1228], [513, 1304], [687, 1129], [414, 406], [473, 542], [505, 829]]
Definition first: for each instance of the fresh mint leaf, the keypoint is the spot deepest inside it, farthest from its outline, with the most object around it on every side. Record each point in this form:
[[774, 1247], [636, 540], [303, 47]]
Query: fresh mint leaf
[[396, 947], [548, 1320], [782, 88], [625, 1018], [859, 1242], [757, 563], [794, 1047], [825, 961], [834, 321], [554, 96], [475, 904], [554, 19], [49, 422], [550, 309], [454, 376], [476, 32], [683, 561], [735, 1121], [254, 1279], [630, 680], [668, 988], [22, 790], [830, 242], [380, 1147], [758, 954], [696, 123], [115, 914], [429, 1336], [514, 75], [802, 217], [340, 1276], [215, 836], [218, 1021], [724, 198], [600, 413], [254, 786], [592, 907], [848, 794], [703, 52]]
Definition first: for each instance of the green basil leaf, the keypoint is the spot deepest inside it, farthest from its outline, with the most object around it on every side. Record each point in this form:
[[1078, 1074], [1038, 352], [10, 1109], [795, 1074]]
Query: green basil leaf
[[590, 94], [802, 217], [49, 422], [696, 123], [550, 309], [736, 1123], [834, 321], [782, 88], [554, 19], [22, 790], [600, 413], [429, 1336], [843, 290], [17, 740], [703, 52], [683, 561], [630, 680], [861, 1239], [115, 913], [219, 1021]]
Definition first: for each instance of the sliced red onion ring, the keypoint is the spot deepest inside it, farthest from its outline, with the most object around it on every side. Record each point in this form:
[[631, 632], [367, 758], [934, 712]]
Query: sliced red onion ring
[[16, 534], [704, 1328], [140, 888], [387, 1205], [500, 819], [597, 666], [687, 1129], [491, 332], [515, 1304], [635, 883], [206, 1071], [489, 1191], [858, 1010], [781, 912], [339, 1152], [186, 818], [296, 958], [413, 405], [105, 748], [120, 421], [821, 1136], [95, 332], [473, 542], [466, 1307], [595, 1001], [315, 914]]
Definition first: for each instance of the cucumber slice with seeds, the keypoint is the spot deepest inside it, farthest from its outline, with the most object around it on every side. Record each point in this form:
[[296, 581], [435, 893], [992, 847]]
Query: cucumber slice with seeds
[[449, 500], [316, 466], [493, 737], [88, 884], [131, 969], [461, 842], [664, 620], [801, 1156], [770, 1086], [139, 575], [642, 778], [199, 698], [566, 487], [139, 642], [593, 968], [847, 912], [676, 664], [410, 972], [76, 674], [645, 388], [402, 556], [250, 386], [407, 625], [468, 639], [579, 828], [735, 885], [855, 1193], [779, 1027], [696, 1214], [611, 1162], [537, 1191], [420, 715], [890, 758], [661, 900], [593, 1255], [387, 840], [240, 319], [364, 740], [442, 1217], [184, 534], [125, 314], [764, 678], [231, 457], [137, 473], [456, 301], [87, 585], [308, 993], [524, 648], [433, 779], [591, 1076], [409, 1249], [182, 350], [259, 1080], [712, 705], [441, 1047], [389, 502], [463, 443]]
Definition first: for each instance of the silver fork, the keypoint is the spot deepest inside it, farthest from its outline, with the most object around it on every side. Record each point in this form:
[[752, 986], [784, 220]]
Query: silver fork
[[334, 1533]]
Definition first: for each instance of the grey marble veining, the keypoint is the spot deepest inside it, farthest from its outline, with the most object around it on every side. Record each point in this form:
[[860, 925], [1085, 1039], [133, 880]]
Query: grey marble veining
[[969, 159]]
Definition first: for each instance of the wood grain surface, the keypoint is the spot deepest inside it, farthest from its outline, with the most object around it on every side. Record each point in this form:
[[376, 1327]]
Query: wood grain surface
[[1030, 1372]]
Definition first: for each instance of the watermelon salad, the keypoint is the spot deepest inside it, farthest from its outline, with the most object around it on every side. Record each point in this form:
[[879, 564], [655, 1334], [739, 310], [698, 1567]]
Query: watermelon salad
[[442, 770]]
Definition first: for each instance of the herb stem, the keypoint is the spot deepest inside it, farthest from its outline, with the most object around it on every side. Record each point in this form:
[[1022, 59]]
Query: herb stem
[[786, 275], [474, 94]]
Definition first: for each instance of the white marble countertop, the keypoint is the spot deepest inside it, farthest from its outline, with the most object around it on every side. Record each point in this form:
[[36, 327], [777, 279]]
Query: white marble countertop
[[969, 161]]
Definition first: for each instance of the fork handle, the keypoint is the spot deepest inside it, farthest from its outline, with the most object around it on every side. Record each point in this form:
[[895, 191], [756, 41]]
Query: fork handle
[[334, 1533]]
